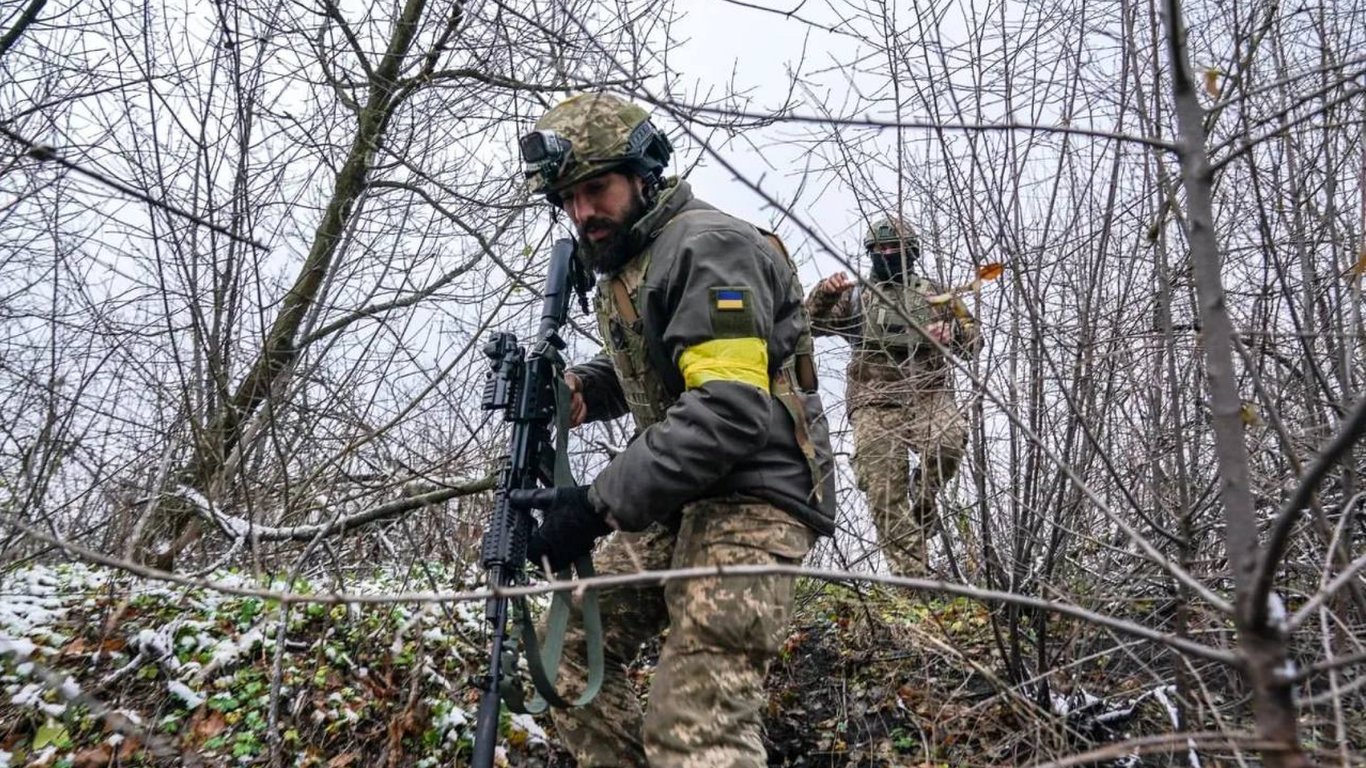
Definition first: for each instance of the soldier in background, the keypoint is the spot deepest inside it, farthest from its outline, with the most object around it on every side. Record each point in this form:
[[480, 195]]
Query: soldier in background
[[899, 387]]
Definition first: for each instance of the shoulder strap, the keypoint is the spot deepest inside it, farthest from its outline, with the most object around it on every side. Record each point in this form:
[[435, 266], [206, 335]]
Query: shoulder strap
[[621, 296]]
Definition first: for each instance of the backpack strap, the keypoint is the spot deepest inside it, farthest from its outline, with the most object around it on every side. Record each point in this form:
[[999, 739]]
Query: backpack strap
[[803, 367]]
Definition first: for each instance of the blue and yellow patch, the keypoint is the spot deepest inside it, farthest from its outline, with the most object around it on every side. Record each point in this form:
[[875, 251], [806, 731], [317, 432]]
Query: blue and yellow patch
[[730, 299], [732, 312]]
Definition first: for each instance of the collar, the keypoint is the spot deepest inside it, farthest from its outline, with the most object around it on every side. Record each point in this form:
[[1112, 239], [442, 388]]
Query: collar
[[674, 195]]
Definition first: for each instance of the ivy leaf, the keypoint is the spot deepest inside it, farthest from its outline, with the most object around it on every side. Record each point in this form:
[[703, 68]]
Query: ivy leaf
[[51, 733]]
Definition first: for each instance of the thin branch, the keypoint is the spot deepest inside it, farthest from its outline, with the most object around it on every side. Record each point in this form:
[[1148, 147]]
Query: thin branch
[[237, 527], [1328, 590], [867, 122], [651, 578], [27, 18], [1290, 511], [44, 153]]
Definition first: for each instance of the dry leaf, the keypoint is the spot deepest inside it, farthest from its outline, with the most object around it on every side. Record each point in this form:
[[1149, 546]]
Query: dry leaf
[[1212, 82], [343, 760], [991, 271], [77, 646], [93, 757], [1358, 269], [206, 724]]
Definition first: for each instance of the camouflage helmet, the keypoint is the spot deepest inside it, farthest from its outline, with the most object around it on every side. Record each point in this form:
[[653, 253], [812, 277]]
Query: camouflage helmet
[[590, 134], [890, 229]]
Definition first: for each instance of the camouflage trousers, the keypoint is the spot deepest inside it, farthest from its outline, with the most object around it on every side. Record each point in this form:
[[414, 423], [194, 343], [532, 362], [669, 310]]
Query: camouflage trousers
[[707, 696], [930, 425]]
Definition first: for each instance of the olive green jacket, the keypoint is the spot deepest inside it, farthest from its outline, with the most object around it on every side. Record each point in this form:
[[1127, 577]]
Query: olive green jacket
[[716, 304]]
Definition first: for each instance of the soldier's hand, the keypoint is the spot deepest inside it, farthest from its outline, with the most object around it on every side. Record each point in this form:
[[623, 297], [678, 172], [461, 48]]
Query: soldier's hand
[[836, 284], [571, 526], [578, 409], [940, 331]]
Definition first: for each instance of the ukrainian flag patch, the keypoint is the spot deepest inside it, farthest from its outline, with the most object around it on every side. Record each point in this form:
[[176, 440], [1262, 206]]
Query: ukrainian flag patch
[[732, 312], [730, 299]]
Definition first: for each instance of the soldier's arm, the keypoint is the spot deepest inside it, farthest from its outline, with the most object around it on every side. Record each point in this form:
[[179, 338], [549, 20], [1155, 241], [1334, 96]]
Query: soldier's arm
[[831, 309], [713, 302], [967, 337], [600, 388], [964, 339]]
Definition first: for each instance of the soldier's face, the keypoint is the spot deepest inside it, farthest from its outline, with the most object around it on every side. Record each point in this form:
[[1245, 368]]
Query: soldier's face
[[603, 209], [888, 262]]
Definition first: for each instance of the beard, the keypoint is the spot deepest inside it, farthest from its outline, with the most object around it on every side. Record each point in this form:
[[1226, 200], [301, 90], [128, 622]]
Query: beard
[[611, 253]]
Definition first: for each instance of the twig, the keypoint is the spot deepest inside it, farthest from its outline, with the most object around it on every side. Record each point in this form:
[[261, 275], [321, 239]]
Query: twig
[[1290, 511], [652, 578], [44, 153]]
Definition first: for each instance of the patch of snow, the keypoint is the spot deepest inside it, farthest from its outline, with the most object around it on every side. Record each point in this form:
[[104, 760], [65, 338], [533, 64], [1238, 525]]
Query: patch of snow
[[1275, 610], [28, 696], [228, 649], [524, 723], [20, 647], [69, 689], [186, 694], [52, 710], [1060, 704], [451, 723]]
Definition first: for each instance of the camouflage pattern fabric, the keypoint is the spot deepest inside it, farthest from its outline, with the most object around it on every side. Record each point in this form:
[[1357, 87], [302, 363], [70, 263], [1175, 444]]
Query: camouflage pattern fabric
[[598, 126], [931, 425], [888, 376], [707, 696]]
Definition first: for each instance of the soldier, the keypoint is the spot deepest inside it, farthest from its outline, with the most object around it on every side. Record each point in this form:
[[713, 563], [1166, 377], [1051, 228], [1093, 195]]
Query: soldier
[[899, 388], [701, 317]]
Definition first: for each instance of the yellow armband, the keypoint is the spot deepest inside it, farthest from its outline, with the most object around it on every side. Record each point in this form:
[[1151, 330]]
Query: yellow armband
[[742, 360]]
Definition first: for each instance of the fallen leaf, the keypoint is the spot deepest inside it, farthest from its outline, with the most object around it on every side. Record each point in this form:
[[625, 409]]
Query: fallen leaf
[[51, 733], [206, 724], [128, 747], [93, 757], [77, 646], [343, 760]]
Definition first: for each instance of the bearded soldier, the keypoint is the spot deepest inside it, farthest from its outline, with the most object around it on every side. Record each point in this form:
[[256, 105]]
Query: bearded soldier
[[701, 316], [899, 387]]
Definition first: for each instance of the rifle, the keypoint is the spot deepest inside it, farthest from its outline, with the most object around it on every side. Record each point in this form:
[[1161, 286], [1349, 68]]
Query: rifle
[[529, 388]]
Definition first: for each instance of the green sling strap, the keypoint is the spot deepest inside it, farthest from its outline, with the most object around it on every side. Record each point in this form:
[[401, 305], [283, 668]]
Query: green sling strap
[[543, 654]]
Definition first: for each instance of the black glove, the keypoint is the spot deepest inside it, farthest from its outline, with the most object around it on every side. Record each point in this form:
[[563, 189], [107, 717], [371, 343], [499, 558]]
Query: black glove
[[571, 525]]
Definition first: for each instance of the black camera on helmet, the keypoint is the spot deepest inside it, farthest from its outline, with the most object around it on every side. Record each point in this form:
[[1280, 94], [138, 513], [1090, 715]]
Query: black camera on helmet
[[545, 153]]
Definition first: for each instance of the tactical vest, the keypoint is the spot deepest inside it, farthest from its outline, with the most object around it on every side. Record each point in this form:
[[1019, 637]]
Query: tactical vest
[[623, 334], [884, 325]]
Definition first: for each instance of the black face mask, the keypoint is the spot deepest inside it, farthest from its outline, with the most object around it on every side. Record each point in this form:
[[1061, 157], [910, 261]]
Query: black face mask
[[612, 252], [889, 267]]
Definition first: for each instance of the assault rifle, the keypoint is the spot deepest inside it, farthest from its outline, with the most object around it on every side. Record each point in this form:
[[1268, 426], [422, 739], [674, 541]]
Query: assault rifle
[[529, 388]]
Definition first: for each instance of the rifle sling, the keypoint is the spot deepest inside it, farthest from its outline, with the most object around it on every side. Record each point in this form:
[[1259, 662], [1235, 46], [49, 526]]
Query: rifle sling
[[543, 654]]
